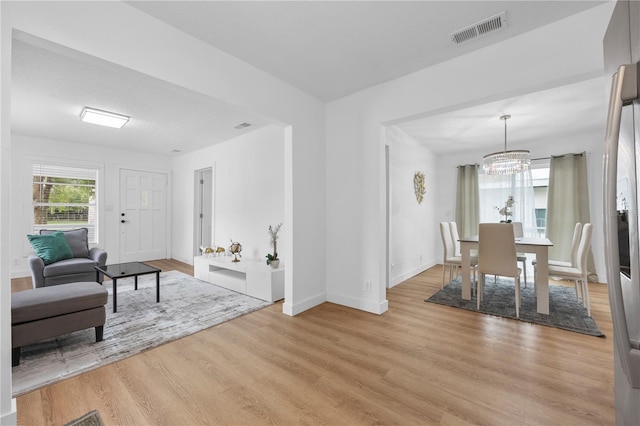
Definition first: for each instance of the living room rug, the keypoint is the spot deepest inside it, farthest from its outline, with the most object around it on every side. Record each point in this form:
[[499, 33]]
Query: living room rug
[[565, 311], [187, 305]]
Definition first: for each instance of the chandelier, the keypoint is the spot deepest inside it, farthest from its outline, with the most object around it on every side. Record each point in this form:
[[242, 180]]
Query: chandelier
[[506, 162]]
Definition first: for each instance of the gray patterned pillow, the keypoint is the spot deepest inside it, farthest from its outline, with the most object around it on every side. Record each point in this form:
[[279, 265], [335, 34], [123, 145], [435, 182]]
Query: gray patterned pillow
[[78, 240]]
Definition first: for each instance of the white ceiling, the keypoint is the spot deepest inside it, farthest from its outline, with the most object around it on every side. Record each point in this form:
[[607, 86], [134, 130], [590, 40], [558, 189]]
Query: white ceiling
[[51, 85], [331, 49], [327, 48], [559, 113]]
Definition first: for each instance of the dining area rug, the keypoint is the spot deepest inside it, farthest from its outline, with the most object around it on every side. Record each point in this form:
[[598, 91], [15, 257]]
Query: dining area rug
[[565, 310]]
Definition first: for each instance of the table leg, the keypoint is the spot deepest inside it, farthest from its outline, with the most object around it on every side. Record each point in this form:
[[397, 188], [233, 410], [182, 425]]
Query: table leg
[[135, 282], [157, 287], [465, 250], [542, 279], [115, 294]]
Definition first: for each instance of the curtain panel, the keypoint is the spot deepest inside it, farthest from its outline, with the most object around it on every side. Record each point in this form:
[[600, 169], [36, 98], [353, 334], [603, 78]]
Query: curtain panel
[[467, 200], [494, 192], [567, 204]]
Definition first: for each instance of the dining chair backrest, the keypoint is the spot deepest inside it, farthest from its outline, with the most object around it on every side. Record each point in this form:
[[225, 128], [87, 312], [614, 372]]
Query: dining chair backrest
[[575, 242], [518, 231], [497, 250], [455, 238], [584, 246], [445, 232]]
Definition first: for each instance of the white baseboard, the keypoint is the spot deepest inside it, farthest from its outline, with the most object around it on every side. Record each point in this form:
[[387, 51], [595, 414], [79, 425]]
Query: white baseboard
[[293, 310], [363, 305], [23, 273], [394, 281], [10, 418]]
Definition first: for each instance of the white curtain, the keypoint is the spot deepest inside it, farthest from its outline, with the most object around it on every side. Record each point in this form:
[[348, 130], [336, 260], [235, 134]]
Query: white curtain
[[467, 200], [567, 203], [495, 190]]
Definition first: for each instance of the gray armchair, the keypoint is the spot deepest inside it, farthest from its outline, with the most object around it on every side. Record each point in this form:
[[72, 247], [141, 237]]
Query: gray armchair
[[77, 269]]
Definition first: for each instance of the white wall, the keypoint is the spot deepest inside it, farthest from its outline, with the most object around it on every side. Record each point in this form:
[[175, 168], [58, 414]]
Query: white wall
[[26, 148], [565, 51], [248, 174], [412, 229], [146, 45]]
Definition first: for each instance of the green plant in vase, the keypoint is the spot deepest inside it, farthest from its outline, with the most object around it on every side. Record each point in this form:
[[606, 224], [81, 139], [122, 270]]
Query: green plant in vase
[[272, 258]]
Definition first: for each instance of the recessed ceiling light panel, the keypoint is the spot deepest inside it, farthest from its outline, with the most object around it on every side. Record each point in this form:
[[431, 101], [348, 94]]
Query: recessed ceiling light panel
[[103, 118]]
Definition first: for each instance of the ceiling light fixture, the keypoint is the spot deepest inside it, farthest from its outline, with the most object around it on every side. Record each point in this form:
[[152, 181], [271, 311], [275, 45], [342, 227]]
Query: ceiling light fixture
[[103, 118], [506, 162]]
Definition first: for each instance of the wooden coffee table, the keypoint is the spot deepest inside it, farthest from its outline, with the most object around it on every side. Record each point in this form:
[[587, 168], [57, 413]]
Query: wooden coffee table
[[125, 270]]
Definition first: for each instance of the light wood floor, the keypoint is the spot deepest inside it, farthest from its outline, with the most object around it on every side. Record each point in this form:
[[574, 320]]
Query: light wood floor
[[419, 363]]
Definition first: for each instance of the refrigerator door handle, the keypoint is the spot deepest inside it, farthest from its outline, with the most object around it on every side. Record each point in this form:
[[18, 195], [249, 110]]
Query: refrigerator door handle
[[624, 89]]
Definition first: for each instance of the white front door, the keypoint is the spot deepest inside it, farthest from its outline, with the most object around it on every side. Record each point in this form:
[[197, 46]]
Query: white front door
[[143, 215]]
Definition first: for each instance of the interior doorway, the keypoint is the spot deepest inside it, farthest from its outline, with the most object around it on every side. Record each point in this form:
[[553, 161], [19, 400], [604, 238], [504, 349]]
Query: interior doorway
[[203, 210]]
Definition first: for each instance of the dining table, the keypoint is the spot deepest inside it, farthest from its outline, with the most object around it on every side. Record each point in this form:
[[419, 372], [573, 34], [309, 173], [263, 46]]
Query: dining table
[[538, 246]]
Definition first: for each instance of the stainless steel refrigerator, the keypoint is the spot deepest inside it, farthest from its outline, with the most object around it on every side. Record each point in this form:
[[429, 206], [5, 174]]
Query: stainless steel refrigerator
[[621, 203]]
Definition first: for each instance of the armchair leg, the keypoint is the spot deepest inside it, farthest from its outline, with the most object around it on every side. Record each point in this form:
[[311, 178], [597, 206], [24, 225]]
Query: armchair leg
[[15, 357], [99, 332]]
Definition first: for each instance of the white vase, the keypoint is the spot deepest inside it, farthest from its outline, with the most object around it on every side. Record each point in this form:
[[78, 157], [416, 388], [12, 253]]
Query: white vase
[[275, 263]]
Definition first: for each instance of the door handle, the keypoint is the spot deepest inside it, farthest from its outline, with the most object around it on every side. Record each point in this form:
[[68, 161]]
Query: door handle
[[624, 90], [124, 221]]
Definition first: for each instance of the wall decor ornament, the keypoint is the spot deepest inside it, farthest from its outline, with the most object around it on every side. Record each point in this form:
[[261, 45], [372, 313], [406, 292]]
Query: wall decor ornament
[[418, 186]]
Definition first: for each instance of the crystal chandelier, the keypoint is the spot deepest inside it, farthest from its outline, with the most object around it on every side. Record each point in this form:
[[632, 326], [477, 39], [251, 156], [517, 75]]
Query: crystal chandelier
[[506, 162]]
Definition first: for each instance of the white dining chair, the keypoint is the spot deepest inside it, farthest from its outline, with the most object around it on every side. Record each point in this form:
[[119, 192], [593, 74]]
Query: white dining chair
[[578, 272], [573, 253], [449, 258], [497, 256], [518, 232], [455, 237]]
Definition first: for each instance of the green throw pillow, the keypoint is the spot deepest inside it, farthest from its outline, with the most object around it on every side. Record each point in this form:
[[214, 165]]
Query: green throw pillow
[[51, 247]]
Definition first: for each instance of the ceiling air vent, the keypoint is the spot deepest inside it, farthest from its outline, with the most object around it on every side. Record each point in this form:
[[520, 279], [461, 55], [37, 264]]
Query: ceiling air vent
[[242, 125], [489, 25]]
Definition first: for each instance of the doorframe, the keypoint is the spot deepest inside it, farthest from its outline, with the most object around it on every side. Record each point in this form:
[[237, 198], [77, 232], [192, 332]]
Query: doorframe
[[197, 201]]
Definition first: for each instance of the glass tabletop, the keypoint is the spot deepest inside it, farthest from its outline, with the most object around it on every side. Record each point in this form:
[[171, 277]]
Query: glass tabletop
[[129, 269]]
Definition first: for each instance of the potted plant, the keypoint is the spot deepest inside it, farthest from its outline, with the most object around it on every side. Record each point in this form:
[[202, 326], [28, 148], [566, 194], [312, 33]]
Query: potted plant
[[272, 258], [506, 210]]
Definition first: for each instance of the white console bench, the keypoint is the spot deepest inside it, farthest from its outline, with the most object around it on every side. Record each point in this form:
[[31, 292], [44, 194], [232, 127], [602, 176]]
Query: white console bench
[[252, 277]]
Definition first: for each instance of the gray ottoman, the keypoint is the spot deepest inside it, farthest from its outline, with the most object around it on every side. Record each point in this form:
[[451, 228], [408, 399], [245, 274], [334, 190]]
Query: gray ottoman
[[46, 312]]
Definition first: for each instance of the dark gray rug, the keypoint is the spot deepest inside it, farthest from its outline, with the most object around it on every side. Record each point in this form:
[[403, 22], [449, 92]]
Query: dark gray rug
[[565, 311], [187, 305]]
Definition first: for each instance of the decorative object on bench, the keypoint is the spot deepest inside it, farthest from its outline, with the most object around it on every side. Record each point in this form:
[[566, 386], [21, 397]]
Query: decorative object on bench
[[235, 248], [43, 313], [272, 259], [55, 262]]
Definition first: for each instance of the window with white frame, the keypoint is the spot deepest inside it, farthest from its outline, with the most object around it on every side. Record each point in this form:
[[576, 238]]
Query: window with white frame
[[64, 197]]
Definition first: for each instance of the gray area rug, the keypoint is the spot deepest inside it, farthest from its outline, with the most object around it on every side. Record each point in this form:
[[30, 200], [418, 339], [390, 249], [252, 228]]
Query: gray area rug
[[187, 305], [565, 311]]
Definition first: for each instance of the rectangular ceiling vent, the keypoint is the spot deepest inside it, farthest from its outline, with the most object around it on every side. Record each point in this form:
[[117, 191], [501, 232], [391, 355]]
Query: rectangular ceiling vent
[[242, 126], [486, 26]]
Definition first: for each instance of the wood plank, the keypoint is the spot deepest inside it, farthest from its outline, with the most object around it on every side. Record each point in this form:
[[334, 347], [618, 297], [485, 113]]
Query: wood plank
[[419, 363]]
